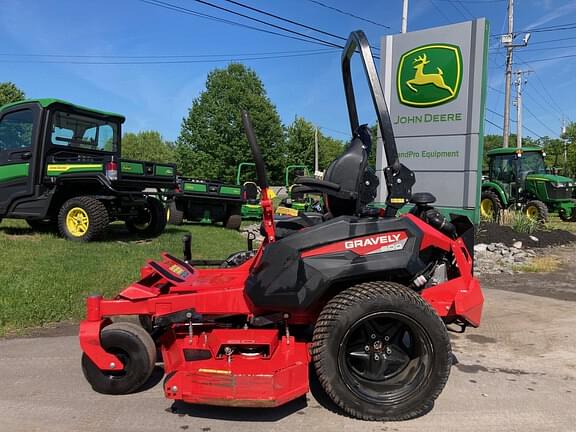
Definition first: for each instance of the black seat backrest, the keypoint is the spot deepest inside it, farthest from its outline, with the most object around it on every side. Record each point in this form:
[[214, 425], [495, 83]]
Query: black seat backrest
[[348, 171], [250, 191]]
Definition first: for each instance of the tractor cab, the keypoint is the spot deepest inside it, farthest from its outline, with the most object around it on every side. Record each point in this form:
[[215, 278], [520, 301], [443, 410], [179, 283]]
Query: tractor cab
[[518, 177]]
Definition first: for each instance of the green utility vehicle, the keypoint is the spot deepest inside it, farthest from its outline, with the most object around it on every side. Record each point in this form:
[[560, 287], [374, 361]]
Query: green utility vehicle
[[206, 201], [60, 169], [518, 177]]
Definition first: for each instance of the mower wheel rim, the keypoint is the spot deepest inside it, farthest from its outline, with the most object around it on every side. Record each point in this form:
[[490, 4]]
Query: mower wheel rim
[[77, 221], [385, 357]]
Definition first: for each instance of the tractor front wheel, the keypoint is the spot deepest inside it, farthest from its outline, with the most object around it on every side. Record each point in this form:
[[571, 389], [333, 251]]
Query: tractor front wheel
[[152, 220], [536, 211], [134, 347], [490, 205], [381, 352], [82, 219], [569, 216]]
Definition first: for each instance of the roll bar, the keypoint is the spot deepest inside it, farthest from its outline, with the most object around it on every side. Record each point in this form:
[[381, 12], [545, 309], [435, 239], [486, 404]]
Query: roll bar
[[357, 42]]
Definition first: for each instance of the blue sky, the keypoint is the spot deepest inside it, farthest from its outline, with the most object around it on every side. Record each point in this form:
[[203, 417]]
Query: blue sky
[[157, 96]]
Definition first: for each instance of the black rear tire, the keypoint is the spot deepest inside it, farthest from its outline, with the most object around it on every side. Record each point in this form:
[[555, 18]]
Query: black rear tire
[[174, 216], [151, 222], [490, 205], [92, 210], [399, 370], [134, 347]]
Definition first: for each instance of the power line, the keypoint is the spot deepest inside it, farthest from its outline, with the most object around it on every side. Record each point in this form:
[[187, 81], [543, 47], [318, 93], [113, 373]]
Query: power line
[[288, 20], [552, 40], [453, 3], [439, 10], [492, 123], [215, 6], [168, 56], [476, 1], [343, 12], [144, 62], [559, 27], [186, 11], [545, 126], [500, 115]]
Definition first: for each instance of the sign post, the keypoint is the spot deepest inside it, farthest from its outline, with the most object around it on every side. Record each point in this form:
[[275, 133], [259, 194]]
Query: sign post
[[435, 87]]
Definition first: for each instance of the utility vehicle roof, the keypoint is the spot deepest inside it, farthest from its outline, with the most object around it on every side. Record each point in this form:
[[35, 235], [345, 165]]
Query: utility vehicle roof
[[46, 102], [512, 150]]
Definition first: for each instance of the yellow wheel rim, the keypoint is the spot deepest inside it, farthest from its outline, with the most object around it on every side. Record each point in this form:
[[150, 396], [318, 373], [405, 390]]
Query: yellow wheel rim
[[168, 214], [77, 222], [487, 208], [532, 212]]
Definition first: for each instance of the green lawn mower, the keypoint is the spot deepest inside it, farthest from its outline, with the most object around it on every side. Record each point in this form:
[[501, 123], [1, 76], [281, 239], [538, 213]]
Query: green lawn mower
[[518, 178], [296, 201], [251, 208]]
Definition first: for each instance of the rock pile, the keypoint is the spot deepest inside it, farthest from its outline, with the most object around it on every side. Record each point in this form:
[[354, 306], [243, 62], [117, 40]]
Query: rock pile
[[498, 258]]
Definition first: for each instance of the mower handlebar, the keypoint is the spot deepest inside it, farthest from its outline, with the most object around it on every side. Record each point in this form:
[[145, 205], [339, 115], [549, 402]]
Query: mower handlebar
[[259, 161]]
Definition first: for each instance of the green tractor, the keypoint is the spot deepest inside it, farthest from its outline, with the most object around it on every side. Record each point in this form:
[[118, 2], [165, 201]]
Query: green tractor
[[517, 177]]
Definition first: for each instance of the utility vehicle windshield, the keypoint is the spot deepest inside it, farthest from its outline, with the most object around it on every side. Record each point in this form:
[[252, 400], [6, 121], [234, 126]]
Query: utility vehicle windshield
[[73, 130]]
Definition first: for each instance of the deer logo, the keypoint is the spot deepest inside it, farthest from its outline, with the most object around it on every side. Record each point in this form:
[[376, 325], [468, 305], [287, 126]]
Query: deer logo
[[421, 78], [429, 75]]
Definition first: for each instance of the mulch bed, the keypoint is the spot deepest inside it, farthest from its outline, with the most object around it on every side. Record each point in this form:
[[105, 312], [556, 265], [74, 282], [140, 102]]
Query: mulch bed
[[494, 233]]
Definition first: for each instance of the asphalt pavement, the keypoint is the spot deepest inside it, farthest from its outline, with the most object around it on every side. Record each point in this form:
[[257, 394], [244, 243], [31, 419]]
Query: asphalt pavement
[[515, 373]]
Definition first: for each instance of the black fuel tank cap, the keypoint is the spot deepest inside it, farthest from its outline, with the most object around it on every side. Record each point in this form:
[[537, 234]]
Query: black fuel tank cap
[[422, 198]]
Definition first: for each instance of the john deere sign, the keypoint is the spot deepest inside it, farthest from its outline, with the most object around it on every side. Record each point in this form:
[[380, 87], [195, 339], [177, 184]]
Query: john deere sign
[[429, 75], [434, 82]]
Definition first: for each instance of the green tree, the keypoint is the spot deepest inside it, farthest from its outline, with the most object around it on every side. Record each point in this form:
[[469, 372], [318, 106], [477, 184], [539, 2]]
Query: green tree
[[10, 93], [570, 137], [298, 148], [212, 140], [148, 146]]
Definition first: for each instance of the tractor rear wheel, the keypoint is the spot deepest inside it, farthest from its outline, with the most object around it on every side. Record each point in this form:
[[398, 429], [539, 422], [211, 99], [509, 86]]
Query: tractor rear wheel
[[173, 215], [151, 222], [381, 352], [569, 217], [134, 347], [536, 210], [82, 219], [490, 205]]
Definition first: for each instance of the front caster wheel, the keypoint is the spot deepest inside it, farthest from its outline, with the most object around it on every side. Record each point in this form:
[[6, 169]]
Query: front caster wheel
[[381, 352], [134, 347]]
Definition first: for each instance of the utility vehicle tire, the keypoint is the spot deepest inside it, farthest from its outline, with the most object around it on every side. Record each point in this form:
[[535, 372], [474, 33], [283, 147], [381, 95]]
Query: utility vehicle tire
[[490, 205], [233, 220], [381, 352], [536, 210], [152, 221], [82, 219], [134, 347], [566, 217], [174, 216], [43, 226]]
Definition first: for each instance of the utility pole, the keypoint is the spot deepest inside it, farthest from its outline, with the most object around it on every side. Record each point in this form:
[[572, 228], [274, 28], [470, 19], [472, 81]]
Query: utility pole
[[404, 16], [315, 150], [518, 108], [519, 82], [563, 137], [509, 49], [508, 41]]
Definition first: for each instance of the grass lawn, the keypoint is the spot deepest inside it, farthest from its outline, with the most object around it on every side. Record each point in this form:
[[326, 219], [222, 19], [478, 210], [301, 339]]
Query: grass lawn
[[45, 279]]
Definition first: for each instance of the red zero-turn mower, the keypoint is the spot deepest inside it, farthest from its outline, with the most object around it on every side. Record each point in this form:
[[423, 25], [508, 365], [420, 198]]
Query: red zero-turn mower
[[379, 292]]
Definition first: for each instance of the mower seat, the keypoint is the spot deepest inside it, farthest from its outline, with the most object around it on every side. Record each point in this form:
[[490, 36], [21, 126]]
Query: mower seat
[[349, 184], [251, 193]]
